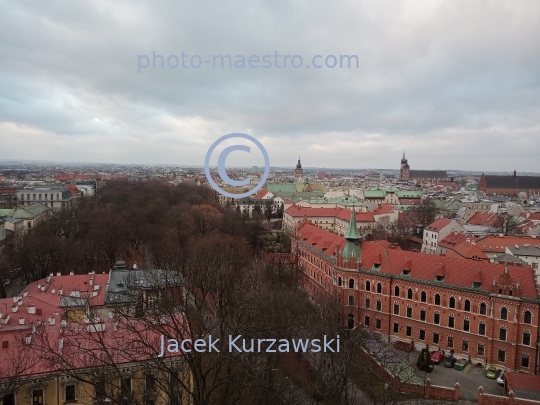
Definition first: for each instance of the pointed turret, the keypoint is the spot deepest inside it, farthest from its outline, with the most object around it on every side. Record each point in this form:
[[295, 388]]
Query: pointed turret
[[352, 246]]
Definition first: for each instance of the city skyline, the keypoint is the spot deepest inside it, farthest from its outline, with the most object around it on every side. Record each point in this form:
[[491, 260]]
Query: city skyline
[[453, 83]]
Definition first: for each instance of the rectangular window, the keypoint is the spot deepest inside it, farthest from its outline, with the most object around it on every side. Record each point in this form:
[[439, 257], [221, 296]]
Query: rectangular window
[[436, 338], [525, 360], [9, 399], [126, 387], [422, 334], [501, 356], [396, 309], [34, 197], [526, 338], [481, 328], [465, 345], [423, 315], [409, 312], [480, 349], [37, 396], [466, 325], [450, 321], [69, 392], [450, 341], [150, 382], [409, 331], [368, 303], [502, 334], [378, 324], [436, 318], [379, 305], [351, 299], [22, 197], [99, 387], [396, 327], [366, 320]]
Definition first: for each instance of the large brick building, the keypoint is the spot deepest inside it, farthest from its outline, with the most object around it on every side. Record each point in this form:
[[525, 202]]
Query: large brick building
[[421, 176], [509, 185], [485, 312]]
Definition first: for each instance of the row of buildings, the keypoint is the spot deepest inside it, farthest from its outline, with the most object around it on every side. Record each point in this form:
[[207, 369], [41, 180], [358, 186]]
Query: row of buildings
[[487, 313], [66, 339]]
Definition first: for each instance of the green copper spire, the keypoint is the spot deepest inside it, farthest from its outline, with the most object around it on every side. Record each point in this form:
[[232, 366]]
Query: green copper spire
[[352, 246], [352, 232]]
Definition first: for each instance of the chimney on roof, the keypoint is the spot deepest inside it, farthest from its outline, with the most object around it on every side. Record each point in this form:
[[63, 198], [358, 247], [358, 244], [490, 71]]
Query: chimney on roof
[[31, 309], [14, 308], [58, 274], [52, 321], [21, 321], [71, 273]]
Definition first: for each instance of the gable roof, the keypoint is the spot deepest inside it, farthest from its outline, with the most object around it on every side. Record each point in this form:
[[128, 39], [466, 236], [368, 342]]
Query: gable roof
[[499, 243], [438, 224], [424, 267], [428, 174], [512, 182], [483, 218]]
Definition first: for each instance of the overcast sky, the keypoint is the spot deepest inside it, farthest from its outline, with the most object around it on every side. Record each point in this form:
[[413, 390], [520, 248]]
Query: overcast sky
[[456, 83]]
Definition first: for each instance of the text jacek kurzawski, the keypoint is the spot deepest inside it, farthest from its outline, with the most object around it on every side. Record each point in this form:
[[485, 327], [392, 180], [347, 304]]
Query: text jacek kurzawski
[[238, 344]]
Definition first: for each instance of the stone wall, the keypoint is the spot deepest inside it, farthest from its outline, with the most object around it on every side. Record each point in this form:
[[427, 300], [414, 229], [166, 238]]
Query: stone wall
[[430, 391]]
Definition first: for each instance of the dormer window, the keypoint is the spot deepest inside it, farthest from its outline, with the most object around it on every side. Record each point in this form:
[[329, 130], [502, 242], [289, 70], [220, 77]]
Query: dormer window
[[439, 278], [406, 272], [476, 284], [376, 267]]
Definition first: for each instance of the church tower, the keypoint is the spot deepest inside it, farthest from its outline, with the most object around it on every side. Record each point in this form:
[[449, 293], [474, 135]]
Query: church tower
[[404, 170], [298, 172]]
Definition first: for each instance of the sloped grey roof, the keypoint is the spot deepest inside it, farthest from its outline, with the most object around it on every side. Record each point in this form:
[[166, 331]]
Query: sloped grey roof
[[124, 283]]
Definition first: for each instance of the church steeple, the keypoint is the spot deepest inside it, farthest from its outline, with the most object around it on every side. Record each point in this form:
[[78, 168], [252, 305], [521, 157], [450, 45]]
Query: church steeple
[[298, 172], [352, 246]]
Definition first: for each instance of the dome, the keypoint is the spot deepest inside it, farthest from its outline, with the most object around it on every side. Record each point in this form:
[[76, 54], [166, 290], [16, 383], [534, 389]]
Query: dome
[[298, 165], [522, 194]]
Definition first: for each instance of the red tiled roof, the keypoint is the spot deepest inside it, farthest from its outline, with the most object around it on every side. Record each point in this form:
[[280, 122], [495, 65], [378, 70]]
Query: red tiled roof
[[458, 272], [262, 192], [410, 201], [438, 224], [522, 381], [452, 240], [498, 244], [466, 250], [287, 201], [483, 218], [384, 209]]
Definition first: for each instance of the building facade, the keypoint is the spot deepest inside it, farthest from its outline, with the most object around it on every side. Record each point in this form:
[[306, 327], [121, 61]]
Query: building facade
[[487, 313], [509, 185], [52, 197]]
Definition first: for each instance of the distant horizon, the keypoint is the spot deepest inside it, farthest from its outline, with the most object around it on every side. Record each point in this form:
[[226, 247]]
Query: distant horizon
[[250, 167]]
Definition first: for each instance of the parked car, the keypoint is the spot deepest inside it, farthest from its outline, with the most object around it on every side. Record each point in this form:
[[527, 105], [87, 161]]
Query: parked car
[[491, 372], [437, 357], [449, 362], [500, 378]]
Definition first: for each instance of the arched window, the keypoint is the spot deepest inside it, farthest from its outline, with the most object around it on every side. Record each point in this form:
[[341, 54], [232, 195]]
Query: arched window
[[483, 308], [527, 317], [437, 299], [504, 313], [379, 288], [423, 296], [351, 283], [396, 291], [409, 294], [452, 302], [467, 306], [339, 281]]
